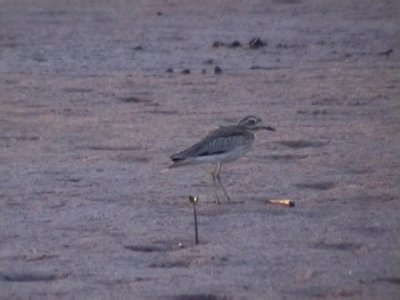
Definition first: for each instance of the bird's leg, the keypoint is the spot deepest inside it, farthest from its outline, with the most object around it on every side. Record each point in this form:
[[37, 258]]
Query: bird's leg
[[218, 177], [214, 173]]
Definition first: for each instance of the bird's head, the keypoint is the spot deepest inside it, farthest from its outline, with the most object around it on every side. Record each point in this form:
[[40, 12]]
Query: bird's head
[[254, 123]]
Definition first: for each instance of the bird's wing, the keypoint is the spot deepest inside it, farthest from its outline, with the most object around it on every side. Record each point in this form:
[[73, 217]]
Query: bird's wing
[[217, 142]]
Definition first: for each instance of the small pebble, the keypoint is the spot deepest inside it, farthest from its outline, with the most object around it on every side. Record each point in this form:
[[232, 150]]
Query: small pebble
[[137, 48], [217, 70], [185, 71], [236, 44], [256, 43], [169, 70]]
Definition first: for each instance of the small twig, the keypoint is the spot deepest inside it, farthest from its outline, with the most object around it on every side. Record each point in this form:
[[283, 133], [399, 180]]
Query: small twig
[[193, 200], [283, 202]]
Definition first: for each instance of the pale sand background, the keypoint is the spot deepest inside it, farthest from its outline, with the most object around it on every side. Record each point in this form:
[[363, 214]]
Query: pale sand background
[[88, 121]]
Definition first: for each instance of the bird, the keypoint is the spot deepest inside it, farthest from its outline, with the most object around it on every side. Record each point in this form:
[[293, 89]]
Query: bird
[[225, 144]]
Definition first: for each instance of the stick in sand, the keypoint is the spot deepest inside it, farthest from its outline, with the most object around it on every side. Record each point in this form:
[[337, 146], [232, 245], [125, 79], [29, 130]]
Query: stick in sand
[[283, 202], [193, 200]]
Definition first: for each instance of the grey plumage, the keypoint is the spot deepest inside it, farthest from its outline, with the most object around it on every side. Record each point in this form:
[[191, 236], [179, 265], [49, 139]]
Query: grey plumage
[[217, 142]]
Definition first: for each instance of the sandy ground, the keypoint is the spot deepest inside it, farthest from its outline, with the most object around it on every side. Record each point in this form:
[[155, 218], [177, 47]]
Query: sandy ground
[[89, 116]]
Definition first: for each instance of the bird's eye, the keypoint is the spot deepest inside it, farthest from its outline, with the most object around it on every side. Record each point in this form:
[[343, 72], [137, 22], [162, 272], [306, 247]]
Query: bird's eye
[[252, 122]]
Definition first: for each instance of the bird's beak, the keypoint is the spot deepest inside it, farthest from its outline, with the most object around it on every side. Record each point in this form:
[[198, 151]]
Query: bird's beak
[[267, 128]]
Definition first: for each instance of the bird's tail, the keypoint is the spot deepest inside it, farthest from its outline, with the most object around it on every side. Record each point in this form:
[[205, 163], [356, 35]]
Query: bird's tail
[[175, 163], [178, 161]]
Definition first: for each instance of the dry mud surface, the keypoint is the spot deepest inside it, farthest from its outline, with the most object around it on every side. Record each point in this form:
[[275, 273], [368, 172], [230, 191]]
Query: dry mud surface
[[89, 116]]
